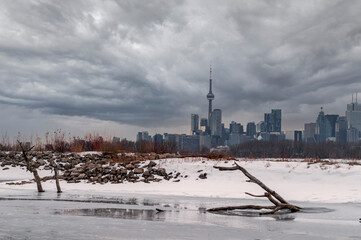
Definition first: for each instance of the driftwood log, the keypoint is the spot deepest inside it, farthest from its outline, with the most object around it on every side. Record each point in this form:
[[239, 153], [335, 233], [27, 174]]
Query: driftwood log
[[278, 201], [30, 167]]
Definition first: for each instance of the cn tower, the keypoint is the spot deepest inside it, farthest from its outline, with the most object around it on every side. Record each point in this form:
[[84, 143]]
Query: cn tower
[[210, 97]]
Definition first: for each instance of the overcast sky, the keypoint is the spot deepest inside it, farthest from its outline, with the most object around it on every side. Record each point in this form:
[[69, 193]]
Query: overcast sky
[[118, 67]]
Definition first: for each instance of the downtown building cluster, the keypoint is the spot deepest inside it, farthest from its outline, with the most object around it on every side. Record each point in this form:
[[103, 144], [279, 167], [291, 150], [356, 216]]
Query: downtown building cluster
[[210, 133], [332, 127]]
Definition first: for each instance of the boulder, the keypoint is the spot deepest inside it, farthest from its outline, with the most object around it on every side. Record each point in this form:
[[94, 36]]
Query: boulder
[[203, 176], [146, 174], [151, 164], [161, 172], [138, 170], [129, 166], [82, 176]]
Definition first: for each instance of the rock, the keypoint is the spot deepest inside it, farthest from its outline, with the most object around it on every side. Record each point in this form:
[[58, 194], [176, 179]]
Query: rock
[[41, 162], [161, 172], [74, 174], [130, 174], [123, 171], [138, 170], [146, 174], [151, 164], [203, 176], [47, 168], [67, 166], [82, 176], [5, 168], [129, 166]]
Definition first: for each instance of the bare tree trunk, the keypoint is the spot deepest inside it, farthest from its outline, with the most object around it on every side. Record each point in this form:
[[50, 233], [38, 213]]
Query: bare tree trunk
[[278, 201], [57, 180], [30, 167], [38, 181]]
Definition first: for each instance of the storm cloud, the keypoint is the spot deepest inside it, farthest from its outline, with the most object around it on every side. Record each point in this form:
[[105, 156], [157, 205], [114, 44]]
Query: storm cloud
[[146, 63]]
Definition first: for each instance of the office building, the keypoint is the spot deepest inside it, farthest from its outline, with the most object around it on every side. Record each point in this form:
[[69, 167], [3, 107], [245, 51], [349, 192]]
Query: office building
[[234, 139], [353, 115], [116, 140], [298, 136], [216, 122], [251, 129], [204, 142], [235, 128], [189, 143], [309, 132], [194, 123], [332, 118], [203, 124], [273, 121], [261, 127], [323, 127], [353, 135], [341, 129]]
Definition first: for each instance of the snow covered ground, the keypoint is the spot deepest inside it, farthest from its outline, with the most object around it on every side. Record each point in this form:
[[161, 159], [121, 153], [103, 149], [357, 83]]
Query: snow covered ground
[[294, 180]]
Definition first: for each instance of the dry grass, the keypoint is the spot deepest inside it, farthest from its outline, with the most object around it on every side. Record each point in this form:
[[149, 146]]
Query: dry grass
[[212, 156]]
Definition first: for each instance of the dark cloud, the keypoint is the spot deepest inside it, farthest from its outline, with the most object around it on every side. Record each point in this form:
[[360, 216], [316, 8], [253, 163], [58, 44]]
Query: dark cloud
[[145, 63]]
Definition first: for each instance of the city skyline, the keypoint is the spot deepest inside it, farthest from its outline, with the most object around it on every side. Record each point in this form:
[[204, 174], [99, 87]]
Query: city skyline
[[123, 67]]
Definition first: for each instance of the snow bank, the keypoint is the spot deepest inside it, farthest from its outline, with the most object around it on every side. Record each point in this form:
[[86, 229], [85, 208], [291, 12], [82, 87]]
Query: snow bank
[[295, 181]]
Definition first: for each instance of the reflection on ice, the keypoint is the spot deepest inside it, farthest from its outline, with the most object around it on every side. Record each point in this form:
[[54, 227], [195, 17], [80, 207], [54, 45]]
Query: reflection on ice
[[138, 214]]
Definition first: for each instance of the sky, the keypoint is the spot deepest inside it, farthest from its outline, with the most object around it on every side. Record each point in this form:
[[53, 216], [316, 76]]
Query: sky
[[119, 67]]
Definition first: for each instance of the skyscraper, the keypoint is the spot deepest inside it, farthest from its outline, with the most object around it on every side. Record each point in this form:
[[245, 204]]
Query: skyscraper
[[204, 124], [216, 122], [210, 97], [309, 132], [194, 123], [341, 129], [323, 127], [332, 118], [268, 121], [251, 129], [277, 120], [273, 121], [261, 127], [298, 136], [353, 115], [235, 128]]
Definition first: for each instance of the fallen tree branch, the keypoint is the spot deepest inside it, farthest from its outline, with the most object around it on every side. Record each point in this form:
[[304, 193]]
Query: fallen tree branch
[[255, 207], [278, 201]]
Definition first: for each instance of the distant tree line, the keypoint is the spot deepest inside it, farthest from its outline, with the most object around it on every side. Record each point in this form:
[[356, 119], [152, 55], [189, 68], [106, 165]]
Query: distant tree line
[[291, 149], [58, 141]]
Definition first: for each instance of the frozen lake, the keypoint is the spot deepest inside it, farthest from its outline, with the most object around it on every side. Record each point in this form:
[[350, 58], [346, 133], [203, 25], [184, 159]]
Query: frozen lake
[[25, 214]]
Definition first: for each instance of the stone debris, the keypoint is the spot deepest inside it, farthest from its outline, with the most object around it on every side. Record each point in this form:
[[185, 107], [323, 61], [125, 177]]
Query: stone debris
[[95, 168]]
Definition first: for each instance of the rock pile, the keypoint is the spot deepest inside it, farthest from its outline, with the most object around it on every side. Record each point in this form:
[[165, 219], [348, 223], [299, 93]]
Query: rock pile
[[96, 168]]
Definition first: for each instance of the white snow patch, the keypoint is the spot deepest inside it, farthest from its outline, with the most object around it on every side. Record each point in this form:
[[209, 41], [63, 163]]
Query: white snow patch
[[295, 181]]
